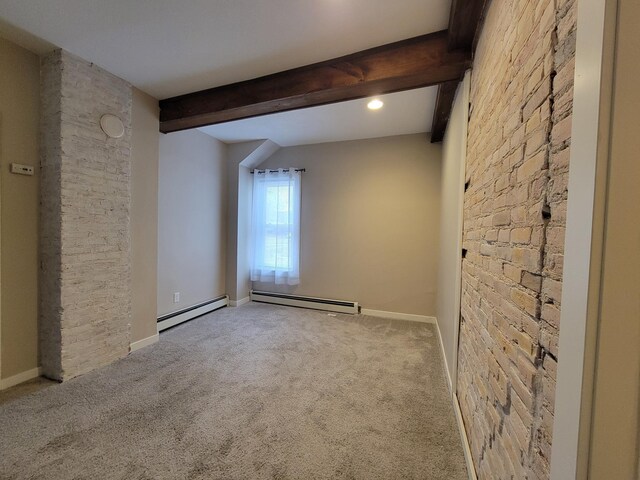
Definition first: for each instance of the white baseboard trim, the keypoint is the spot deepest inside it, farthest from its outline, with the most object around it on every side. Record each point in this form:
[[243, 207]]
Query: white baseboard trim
[[458, 413], [20, 378], [239, 303], [410, 317], [171, 320], [444, 360], [145, 342], [471, 470]]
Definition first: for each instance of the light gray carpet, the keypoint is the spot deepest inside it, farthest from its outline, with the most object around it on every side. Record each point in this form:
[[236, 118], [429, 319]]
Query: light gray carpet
[[255, 392]]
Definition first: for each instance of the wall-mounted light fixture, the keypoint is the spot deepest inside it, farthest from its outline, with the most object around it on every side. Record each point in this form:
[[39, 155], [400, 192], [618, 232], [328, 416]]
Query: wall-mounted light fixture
[[111, 125]]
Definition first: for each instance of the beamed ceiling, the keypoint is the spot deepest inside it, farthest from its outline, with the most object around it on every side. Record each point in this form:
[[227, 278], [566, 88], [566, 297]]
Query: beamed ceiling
[[231, 60]]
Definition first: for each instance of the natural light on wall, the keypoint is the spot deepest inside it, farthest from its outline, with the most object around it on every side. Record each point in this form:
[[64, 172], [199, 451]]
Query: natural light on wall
[[276, 226]]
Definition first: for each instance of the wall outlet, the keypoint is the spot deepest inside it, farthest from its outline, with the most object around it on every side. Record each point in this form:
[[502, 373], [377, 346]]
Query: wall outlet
[[176, 297]]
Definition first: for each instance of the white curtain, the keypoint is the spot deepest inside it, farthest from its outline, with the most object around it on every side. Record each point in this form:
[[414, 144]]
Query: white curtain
[[275, 227]]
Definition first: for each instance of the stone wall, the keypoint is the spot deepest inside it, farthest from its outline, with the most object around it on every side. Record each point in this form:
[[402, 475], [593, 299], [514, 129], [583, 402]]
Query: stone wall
[[85, 299], [514, 216]]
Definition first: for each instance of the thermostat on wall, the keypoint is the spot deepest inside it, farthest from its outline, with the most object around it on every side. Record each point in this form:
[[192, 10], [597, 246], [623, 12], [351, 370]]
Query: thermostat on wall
[[21, 169]]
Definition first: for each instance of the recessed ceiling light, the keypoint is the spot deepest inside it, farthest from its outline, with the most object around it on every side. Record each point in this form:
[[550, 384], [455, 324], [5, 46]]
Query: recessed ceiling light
[[375, 104]]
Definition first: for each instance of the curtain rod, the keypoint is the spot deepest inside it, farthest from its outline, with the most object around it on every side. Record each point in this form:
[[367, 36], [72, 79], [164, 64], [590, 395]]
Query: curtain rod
[[262, 171]]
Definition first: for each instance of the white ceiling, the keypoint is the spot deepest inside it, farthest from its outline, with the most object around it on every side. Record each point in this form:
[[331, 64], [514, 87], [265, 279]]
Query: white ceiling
[[402, 113], [172, 47]]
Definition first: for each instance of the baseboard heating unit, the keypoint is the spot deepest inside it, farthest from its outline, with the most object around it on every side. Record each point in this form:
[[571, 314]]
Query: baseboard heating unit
[[172, 319], [329, 305]]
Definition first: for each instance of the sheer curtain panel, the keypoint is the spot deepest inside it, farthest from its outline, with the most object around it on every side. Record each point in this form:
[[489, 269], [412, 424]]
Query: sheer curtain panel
[[275, 227]]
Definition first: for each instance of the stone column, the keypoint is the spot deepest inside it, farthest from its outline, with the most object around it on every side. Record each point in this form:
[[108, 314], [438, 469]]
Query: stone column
[[85, 273]]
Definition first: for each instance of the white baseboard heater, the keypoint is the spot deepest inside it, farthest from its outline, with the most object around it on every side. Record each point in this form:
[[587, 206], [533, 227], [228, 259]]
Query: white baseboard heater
[[172, 319], [340, 306]]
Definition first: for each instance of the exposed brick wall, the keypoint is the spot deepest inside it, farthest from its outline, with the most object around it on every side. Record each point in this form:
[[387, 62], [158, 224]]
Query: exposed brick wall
[[514, 217], [85, 303]]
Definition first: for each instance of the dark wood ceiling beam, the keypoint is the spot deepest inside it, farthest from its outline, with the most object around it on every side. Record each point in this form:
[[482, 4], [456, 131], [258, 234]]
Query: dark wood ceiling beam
[[465, 20], [442, 112], [414, 63], [465, 24]]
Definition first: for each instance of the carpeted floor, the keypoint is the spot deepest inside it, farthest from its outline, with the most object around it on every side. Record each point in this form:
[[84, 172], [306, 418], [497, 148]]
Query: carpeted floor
[[255, 392]]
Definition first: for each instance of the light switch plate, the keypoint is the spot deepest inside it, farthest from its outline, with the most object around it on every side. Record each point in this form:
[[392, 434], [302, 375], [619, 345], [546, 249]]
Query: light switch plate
[[22, 169]]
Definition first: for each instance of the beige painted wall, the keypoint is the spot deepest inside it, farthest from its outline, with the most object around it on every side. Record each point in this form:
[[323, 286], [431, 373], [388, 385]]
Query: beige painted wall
[[454, 149], [241, 158], [236, 153], [369, 226], [19, 119], [144, 215], [615, 439], [191, 219], [245, 198]]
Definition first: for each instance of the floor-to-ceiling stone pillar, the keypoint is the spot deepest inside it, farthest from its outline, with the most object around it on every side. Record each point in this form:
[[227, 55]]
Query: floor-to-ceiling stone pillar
[[85, 299]]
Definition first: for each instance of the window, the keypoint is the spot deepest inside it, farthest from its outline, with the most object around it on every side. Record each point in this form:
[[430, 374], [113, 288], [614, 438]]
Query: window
[[276, 226]]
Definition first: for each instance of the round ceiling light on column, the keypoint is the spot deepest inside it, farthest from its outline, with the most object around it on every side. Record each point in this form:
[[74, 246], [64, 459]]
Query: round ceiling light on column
[[112, 125]]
